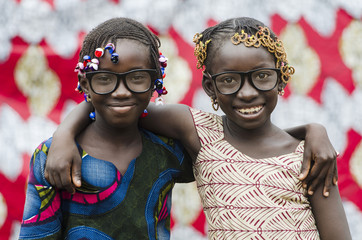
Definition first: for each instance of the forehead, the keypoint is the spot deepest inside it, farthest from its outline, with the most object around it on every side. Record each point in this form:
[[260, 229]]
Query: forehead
[[132, 54], [230, 57]]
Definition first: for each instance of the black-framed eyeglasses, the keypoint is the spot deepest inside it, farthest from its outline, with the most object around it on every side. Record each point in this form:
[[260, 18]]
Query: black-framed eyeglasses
[[136, 81], [263, 79]]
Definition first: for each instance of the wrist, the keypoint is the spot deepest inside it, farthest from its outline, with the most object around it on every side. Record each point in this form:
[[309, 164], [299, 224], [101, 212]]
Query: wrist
[[313, 128]]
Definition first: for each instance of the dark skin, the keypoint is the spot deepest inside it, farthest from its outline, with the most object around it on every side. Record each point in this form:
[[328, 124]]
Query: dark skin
[[115, 136], [255, 136], [318, 166], [115, 132], [319, 163]]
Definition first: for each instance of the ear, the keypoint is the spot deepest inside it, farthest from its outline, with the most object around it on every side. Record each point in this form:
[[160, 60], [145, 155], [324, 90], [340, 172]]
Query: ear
[[281, 85], [208, 85], [84, 84]]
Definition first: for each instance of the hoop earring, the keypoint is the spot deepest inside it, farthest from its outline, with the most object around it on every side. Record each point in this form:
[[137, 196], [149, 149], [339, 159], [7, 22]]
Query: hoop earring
[[214, 104], [281, 93]]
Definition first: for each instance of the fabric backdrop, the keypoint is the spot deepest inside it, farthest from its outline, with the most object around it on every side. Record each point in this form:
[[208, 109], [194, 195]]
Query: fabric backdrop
[[39, 46]]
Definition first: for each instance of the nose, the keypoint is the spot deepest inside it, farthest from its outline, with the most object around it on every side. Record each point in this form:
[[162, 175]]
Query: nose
[[121, 90], [247, 92]]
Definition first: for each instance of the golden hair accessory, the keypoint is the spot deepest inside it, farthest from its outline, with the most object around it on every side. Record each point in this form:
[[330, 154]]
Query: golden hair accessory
[[200, 50], [263, 38]]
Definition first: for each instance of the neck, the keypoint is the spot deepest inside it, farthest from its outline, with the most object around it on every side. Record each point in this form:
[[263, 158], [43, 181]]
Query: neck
[[234, 131], [123, 134], [101, 132]]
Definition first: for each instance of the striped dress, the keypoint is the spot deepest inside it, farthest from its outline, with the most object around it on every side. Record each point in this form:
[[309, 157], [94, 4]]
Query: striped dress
[[247, 198]]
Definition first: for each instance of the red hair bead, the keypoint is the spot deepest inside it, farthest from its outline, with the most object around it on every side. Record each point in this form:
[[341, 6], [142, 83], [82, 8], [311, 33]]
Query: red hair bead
[[99, 52]]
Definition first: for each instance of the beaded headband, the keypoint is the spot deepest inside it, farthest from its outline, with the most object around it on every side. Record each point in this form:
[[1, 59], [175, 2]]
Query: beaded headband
[[261, 38], [92, 64], [89, 64]]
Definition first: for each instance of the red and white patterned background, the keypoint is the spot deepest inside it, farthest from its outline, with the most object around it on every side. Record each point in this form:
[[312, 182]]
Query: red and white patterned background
[[39, 45]]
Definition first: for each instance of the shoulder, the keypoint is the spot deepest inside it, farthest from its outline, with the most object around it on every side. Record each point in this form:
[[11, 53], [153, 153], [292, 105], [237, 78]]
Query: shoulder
[[41, 152], [38, 161], [205, 118], [209, 126], [162, 141]]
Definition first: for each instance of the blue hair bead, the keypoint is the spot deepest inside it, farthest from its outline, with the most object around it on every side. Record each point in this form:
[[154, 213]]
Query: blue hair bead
[[114, 57]]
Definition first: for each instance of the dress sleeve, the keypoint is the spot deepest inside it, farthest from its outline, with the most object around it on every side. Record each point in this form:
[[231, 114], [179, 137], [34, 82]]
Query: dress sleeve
[[209, 126], [42, 215], [185, 162], [186, 166]]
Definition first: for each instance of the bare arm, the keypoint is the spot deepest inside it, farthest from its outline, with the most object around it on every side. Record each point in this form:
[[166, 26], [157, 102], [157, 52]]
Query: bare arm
[[63, 158], [329, 215], [319, 160], [64, 162], [174, 121]]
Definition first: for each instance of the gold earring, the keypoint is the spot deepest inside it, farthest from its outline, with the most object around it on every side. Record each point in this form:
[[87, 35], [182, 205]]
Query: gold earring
[[281, 93], [215, 104]]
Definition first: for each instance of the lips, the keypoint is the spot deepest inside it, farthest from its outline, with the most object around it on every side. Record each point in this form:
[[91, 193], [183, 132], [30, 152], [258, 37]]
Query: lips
[[121, 108], [250, 110]]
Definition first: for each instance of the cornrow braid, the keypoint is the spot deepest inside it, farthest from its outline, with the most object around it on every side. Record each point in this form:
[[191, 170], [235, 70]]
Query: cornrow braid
[[250, 32], [121, 28]]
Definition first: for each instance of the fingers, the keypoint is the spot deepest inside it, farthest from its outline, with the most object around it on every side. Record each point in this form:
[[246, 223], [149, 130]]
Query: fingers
[[59, 176], [46, 175], [311, 180], [335, 175], [57, 181], [329, 180], [49, 178], [317, 176], [67, 182], [307, 162], [76, 171]]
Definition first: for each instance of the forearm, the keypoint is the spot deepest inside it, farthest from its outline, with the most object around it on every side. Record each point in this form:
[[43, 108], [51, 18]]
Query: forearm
[[170, 120], [75, 121], [300, 132], [297, 132]]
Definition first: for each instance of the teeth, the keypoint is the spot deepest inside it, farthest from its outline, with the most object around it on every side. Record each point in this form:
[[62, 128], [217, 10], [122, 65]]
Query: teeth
[[250, 110]]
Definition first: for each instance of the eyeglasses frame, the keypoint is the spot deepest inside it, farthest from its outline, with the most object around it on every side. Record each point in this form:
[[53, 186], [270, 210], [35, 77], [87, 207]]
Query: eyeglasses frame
[[242, 75], [89, 76]]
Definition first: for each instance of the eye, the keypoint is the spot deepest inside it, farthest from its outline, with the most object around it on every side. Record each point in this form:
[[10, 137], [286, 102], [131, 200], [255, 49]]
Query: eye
[[136, 77], [103, 78], [226, 79], [262, 75]]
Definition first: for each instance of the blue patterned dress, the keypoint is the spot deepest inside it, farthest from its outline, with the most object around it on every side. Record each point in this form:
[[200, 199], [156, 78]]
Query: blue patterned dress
[[109, 205]]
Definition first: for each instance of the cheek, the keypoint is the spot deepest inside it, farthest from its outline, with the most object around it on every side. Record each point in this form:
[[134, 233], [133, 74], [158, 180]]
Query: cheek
[[145, 98], [273, 99]]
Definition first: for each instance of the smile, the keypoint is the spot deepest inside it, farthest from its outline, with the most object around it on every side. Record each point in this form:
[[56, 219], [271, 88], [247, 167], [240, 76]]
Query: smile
[[121, 108], [251, 110]]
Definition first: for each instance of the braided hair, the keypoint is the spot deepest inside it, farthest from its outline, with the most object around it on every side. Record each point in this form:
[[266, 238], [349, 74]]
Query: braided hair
[[225, 30], [248, 31], [121, 28]]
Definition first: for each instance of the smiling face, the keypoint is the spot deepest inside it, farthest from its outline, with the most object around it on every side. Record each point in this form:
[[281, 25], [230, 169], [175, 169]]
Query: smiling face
[[248, 108], [121, 108]]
